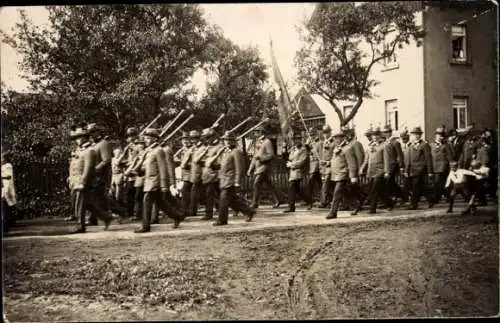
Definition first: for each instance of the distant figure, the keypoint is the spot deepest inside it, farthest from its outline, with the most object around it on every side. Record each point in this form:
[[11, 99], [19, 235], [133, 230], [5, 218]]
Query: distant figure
[[116, 188], [9, 197]]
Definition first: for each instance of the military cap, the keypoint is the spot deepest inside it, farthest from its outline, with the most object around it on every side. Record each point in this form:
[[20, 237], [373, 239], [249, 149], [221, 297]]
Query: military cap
[[79, 132], [139, 140], [194, 134], [132, 131], [440, 130], [185, 135], [376, 131], [387, 128], [207, 132], [340, 133], [344, 129], [152, 132], [326, 128], [417, 130], [228, 135], [404, 134]]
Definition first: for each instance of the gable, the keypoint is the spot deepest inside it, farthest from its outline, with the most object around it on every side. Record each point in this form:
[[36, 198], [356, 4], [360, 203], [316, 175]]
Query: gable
[[307, 106]]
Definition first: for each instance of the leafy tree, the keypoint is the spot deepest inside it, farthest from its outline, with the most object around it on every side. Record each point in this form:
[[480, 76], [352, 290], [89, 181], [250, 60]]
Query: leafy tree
[[344, 41], [119, 65], [237, 89]]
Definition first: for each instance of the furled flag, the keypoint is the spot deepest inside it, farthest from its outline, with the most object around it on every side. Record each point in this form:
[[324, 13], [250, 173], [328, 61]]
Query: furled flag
[[284, 102]]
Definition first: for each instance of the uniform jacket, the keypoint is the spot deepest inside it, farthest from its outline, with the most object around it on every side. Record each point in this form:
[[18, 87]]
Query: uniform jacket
[[343, 164], [406, 149], [326, 155], [314, 152], [129, 161], [154, 168], [138, 177], [232, 168], [209, 174], [359, 152], [197, 161], [419, 159], [442, 155], [375, 163], [468, 150], [83, 171], [170, 164], [263, 156], [394, 154], [104, 154], [298, 159], [483, 154], [185, 163], [457, 146]]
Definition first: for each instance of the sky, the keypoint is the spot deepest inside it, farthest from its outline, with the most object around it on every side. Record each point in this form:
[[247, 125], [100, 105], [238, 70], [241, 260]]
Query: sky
[[246, 24]]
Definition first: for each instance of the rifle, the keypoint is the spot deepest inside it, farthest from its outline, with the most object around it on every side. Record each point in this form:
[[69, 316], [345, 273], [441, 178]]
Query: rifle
[[252, 129], [171, 123], [210, 161], [140, 134], [215, 124], [158, 143]]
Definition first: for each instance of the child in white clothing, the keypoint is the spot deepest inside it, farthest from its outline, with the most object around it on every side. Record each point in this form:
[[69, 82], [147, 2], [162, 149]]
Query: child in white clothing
[[457, 182]]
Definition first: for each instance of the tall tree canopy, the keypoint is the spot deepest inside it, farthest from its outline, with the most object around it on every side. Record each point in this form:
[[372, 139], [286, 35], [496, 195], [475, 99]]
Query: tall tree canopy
[[116, 64], [237, 87], [344, 41]]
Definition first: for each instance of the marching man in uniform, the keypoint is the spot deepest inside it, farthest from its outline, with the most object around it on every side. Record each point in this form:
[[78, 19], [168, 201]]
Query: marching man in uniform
[[156, 181], [343, 167], [197, 161], [296, 163], [188, 141], [394, 155], [418, 167], [375, 165], [232, 168], [314, 147], [129, 180], [209, 174], [261, 167], [324, 164], [355, 191], [84, 182], [441, 159]]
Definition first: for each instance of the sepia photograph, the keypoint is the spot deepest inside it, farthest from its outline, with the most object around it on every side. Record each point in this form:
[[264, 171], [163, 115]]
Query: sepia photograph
[[249, 161]]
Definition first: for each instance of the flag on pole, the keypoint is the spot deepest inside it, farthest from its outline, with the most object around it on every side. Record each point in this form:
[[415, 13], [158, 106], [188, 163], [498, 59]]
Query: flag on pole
[[284, 102]]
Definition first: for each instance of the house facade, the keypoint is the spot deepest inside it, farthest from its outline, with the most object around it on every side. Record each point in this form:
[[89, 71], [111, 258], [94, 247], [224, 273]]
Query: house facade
[[450, 80]]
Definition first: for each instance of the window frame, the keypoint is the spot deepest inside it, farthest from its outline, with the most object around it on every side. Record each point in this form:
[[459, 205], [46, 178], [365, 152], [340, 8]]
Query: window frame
[[390, 110], [455, 107], [466, 46]]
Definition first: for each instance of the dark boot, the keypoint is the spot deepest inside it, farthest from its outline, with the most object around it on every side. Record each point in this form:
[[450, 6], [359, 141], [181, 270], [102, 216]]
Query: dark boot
[[331, 215], [219, 223], [250, 216], [289, 211], [142, 230]]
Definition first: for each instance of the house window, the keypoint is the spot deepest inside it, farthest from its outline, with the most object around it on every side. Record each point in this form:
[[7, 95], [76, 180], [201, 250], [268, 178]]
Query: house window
[[458, 43], [390, 60], [460, 112], [391, 114], [347, 111]]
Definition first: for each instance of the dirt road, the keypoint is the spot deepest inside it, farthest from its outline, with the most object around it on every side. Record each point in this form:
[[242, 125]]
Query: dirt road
[[394, 266]]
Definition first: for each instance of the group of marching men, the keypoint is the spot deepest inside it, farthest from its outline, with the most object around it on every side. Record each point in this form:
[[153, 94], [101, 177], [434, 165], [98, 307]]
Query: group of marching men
[[140, 180]]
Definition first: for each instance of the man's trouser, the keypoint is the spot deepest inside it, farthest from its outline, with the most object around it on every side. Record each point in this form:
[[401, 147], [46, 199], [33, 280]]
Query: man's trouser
[[339, 192], [326, 191], [156, 197], [260, 180], [294, 191], [313, 181], [419, 188], [353, 194], [86, 199], [6, 216], [117, 189], [394, 190], [377, 192], [439, 182], [130, 198], [196, 189], [171, 200], [211, 198], [100, 195], [138, 201], [229, 198], [186, 197]]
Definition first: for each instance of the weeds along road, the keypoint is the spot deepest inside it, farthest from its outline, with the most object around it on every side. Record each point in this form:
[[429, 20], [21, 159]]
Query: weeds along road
[[399, 266]]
